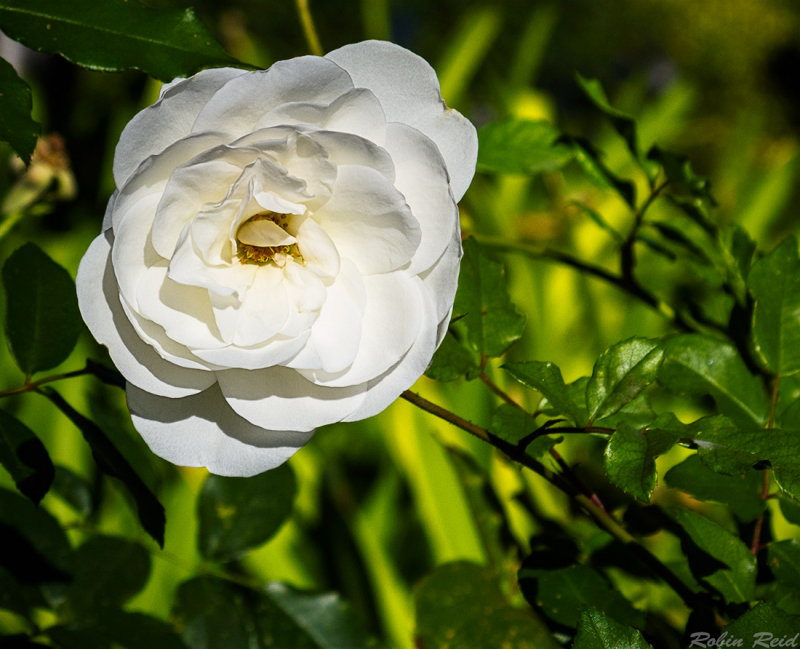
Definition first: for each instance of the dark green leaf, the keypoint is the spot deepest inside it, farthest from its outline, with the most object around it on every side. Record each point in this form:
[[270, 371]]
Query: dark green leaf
[[325, 619], [740, 492], [595, 216], [681, 240], [17, 127], [74, 491], [518, 146], [111, 462], [630, 458], [238, 514], [598, 631], [790, 510], [24, 456], [452, 361], [623, 123], [115, 35], [784, 561], [460, 606], [775, 284], [42, 318], [492, 322], [36, 548], [736, 581], [764, 624], [682, 178], [107, 572], [590, 161], [563, 593], [733, 451], [118, 629], [700, 365], [620, 374], [546, 378]]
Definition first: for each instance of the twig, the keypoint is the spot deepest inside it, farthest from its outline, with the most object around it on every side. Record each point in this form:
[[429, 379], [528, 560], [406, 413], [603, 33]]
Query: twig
[[309, 31]]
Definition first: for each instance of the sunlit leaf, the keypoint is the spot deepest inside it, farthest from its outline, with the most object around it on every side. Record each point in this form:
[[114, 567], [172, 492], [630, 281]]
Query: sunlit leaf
[[493, 323], [518, 146], [17, 126], [775, 284], [511, 424], [620, 374], [42, 318], [630, 458], [545, 377], [111, 462], [741, 492], [238, 514], [460, 606], [24, 456], [563, 593], [115, 35], [599, 631], [736, 580], [699, 365]]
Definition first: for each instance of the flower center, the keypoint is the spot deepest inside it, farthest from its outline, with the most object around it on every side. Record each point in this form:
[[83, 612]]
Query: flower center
[[264, 239]]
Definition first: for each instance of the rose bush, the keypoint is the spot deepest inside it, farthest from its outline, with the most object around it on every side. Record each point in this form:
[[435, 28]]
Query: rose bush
[[281, 251]]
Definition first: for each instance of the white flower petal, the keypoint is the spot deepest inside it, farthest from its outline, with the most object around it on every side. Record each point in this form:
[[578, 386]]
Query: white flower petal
[[319, 252], [441, 279], [202, 430], [278, 397], [243, 100], [409, 92], [369, 221], [168, 120], [98, 299], [264, 234]]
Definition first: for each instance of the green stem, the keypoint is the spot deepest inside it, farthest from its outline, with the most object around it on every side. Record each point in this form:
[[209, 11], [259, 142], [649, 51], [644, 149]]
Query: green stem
[[309, 31], [10, 221]]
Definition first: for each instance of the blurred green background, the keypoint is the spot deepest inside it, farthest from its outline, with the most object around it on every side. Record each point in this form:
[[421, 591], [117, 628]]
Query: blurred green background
[[382, 502]]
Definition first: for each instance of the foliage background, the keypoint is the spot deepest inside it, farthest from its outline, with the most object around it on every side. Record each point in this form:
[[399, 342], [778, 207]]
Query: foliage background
[[382, 511]]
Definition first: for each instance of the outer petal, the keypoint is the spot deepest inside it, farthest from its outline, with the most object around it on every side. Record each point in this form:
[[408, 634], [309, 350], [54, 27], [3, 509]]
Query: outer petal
[[98, 298], [202, 430], [278, 397], [408, 89], [168, 120]]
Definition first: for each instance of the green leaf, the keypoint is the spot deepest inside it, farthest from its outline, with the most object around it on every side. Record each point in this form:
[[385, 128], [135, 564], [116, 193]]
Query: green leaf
[[630, 458], [17, 127], [518, 146], [511, 424], [682, 179], [620, 374], [24, 456], [452, 361], [775, 284], [111, 462], [790, 510], [325, 619], [622, 122], [118, 629], [42, 318], [784, 561], [595, 169], [700, 365], [238, 514], [74, 491], [115, 35], [546, 378], [765, 624], [735, 582], [740, 492], [598, 631], [107, 572], [733, 451], [214, 614], [563, 593], [492, 321], [460, 606]]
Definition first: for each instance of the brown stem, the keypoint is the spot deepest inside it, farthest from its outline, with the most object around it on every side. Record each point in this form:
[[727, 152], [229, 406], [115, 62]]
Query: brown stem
[[29, 386], [755, 546]]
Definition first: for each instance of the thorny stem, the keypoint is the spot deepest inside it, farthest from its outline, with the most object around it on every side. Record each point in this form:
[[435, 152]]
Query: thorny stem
[[309, 31], [600, 515]]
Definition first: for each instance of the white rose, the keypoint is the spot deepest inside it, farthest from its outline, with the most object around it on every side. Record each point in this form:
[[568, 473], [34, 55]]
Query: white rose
[[281, 251]]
